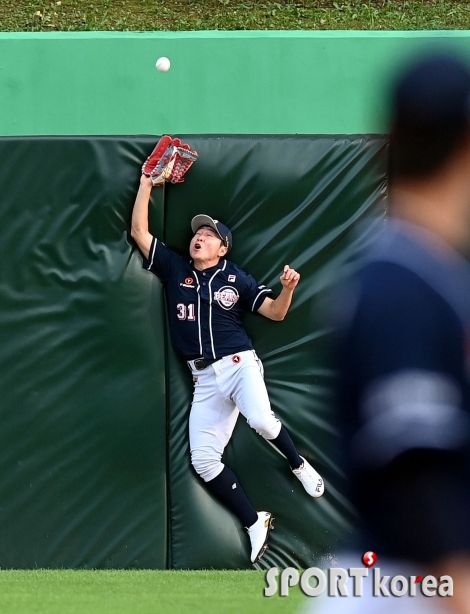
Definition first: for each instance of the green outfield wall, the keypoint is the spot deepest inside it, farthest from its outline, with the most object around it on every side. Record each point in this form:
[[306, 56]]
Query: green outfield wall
[[105, 83], [94, 403]]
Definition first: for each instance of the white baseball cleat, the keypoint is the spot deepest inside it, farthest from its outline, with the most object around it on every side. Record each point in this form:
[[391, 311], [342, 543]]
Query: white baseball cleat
[[311, 480], [259, 533]]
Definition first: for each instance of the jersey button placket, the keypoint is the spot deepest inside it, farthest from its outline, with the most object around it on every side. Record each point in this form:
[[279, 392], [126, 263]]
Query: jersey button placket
[[204, 315]]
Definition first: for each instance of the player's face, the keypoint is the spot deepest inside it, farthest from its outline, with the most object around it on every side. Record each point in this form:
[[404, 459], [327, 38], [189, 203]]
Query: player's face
[[206, 247]]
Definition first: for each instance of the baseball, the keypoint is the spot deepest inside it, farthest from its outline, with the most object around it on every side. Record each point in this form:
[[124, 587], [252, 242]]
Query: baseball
[[163, 64]]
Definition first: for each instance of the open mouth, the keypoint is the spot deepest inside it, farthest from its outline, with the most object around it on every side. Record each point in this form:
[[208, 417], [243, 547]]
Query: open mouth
[[197, 246]]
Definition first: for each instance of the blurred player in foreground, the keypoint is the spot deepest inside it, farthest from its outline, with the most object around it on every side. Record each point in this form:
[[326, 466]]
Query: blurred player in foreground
[[404, 352], [206, 296]]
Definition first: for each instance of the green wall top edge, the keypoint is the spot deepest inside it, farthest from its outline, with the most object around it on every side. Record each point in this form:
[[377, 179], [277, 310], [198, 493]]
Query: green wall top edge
[[233, 82], [237, 34]]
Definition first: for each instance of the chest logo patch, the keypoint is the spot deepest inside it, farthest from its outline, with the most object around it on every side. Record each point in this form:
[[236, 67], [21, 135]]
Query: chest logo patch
[[232, 278], [188, 283], [226, 297]]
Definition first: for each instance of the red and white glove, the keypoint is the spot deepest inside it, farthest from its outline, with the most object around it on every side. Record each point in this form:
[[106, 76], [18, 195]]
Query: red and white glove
[[169, 161]]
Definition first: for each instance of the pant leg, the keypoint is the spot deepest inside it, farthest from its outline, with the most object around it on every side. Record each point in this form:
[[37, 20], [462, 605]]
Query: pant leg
[[240, 378], [211, 422]]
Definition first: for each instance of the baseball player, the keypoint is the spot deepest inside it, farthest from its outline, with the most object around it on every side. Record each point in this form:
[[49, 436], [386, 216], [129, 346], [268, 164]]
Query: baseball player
[[404, 368], [206, 296]]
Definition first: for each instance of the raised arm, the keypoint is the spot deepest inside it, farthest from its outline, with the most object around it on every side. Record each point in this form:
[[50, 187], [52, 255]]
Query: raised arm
[[140, 216], [276, 309]]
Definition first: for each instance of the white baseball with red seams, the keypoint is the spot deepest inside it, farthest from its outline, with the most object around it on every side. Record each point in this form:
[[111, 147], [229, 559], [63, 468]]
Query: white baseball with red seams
[[163, 64]]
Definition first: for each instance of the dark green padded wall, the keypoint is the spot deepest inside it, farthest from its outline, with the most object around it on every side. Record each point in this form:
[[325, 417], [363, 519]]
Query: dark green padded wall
[[94, 460], [82, 408]]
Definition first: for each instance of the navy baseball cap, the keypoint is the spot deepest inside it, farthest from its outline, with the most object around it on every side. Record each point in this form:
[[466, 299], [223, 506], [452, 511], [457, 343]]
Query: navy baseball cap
[[223, 231], [433, 92]]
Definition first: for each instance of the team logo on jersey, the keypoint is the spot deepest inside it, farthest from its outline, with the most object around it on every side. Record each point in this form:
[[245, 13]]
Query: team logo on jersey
[[226, 297], [232, 278], [236, 359]]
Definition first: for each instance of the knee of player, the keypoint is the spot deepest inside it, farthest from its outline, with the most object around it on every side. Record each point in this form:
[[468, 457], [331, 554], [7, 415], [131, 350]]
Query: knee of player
[[268, 426], [208, 468]]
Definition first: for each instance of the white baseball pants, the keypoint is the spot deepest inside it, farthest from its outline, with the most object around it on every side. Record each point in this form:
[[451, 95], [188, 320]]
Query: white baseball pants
[[230, 386]]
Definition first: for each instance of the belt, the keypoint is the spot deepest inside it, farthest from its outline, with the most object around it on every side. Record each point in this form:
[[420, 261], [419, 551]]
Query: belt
[[201, 363]]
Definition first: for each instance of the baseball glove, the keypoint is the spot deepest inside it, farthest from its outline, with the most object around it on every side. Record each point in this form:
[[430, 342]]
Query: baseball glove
[[169, 161]]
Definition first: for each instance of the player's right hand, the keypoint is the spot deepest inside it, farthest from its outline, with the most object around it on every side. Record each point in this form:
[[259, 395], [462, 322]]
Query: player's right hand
[[289, 278]]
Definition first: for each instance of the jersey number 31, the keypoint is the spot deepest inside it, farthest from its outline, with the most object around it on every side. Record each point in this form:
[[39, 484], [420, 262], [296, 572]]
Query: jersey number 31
[[186, 312]]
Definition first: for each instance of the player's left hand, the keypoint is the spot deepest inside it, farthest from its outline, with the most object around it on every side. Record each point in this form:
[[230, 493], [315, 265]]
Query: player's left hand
[[289, 278]]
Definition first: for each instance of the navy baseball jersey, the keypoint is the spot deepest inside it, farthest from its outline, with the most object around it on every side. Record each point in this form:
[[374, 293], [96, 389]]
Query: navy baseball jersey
[[205, 307], [404, 401], [404, 351]]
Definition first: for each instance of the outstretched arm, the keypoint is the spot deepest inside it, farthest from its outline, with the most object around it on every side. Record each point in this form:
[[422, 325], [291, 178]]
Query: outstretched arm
[[140, 216], [276, 309]]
